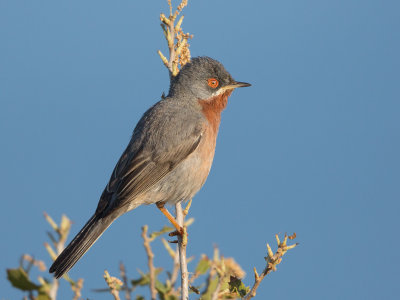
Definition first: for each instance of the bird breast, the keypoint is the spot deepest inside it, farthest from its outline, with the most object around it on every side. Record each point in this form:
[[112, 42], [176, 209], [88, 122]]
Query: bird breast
[[212, 108]]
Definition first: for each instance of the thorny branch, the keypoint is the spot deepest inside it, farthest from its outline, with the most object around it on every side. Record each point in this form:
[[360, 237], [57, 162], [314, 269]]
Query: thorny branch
[[273, 260]]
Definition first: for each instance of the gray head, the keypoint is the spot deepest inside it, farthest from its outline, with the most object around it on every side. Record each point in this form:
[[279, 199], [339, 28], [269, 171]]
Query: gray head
[[203, 78]]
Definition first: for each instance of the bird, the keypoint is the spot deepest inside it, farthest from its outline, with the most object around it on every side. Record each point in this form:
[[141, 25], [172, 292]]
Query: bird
[[169, 156]]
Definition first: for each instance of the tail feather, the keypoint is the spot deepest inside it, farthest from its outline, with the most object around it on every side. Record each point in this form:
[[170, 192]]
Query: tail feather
[[81, 243]]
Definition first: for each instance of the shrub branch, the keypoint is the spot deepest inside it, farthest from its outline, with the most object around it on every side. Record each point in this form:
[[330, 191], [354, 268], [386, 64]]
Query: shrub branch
[[273, 260], [177, 40], [150, 259]]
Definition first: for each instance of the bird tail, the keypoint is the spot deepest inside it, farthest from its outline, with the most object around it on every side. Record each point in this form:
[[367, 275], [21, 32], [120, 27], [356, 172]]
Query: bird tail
[[81, 243]]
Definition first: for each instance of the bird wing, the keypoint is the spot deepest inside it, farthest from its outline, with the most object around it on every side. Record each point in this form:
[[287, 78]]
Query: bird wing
[[137, 171]]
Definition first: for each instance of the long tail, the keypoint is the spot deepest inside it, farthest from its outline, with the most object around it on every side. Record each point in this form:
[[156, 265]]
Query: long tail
[[81, 243]]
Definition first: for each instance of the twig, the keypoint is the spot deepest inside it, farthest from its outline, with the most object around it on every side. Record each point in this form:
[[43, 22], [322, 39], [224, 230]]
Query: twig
[[114, 284], [33, 262], [177, 40], [272, 261], [150, 257], [218, 264], [194, 277], [172, 276], [125, 281], [175, 270], [59, 246], [76, 288], [54, 289], [182, 242]]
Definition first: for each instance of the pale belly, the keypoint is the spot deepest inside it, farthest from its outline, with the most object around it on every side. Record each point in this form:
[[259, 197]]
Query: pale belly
[[186, 179], [182, 183]]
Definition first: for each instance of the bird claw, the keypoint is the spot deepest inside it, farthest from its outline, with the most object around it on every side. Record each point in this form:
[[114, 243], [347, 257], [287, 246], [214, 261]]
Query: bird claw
[[182, 235], [175, 233], [179, 232]]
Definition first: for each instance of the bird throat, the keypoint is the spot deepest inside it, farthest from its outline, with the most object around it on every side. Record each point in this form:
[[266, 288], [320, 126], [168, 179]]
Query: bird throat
[[213, 107]]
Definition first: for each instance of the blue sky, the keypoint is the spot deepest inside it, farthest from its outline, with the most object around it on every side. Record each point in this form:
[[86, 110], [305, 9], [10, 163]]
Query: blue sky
[[312, 147]]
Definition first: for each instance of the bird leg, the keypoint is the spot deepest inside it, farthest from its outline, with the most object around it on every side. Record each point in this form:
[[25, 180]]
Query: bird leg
[[179, 229]]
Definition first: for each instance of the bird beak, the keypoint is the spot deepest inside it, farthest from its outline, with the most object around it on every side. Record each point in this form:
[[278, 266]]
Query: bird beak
[[235, 85], [240, 84]]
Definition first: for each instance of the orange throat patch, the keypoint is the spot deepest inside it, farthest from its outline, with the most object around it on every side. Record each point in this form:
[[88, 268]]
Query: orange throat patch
[[213, 107]]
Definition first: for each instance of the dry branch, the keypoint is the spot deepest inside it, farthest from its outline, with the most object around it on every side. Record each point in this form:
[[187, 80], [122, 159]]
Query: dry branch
[[114, 284], [125, 281], [182, 243], [58, 244], [273, 260], [150, 258], [177, 40]]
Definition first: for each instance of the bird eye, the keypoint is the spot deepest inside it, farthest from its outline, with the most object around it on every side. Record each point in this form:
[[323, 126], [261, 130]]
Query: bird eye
[[212, 82]]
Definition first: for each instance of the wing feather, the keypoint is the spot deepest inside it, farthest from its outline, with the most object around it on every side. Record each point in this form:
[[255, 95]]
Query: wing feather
[[136, 172]]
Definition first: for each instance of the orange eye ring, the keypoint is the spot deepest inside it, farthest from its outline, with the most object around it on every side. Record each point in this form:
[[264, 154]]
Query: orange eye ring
[[213, 82]]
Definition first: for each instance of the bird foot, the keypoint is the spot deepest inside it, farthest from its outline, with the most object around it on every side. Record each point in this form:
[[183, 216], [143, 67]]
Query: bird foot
[[181, 231], [182, 235]]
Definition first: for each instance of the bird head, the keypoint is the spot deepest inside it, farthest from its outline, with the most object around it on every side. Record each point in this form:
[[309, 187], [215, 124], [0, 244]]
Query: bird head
[[203, 78]]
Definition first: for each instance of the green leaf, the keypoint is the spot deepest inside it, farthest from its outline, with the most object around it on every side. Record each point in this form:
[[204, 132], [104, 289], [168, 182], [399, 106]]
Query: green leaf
[[165, 296], [155, 234], [44, 288], [163, 291], [203, 265], [238, 287], [212, 286], [20, 280], [161, 288], [140, 281], [145, 278], [171, 297], [43, 296], [139, 297]]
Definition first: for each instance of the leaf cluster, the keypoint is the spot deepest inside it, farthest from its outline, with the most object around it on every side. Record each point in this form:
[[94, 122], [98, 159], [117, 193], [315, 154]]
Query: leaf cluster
[[44, 288]]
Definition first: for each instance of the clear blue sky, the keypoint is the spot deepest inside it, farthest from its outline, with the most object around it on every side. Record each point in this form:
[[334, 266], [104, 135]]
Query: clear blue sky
[[312, 147]]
